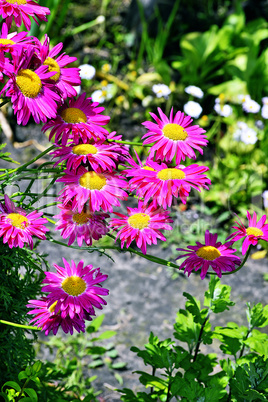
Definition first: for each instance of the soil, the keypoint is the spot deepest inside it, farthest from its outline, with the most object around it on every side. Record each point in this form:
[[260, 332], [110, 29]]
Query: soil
[[143, 296]]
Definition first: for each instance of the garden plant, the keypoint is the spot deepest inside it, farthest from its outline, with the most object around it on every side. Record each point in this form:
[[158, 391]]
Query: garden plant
[[122, 194]]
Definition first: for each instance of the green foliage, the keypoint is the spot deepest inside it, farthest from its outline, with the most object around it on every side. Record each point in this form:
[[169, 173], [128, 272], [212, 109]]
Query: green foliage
[[21, 275], [190, 375], [6, 155]]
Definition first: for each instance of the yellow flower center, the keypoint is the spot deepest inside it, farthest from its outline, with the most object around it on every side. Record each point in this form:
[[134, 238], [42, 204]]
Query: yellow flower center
[[52, 307], [174, 132], [148, 168], [92, 181], [251, 231], [19, 2], [84, 149], [29, 83], [74, 285], [139, 220], [209, 253], [18, 220], [6, 42], [82, 218], [171, 174], [53, 66], [73, 115]]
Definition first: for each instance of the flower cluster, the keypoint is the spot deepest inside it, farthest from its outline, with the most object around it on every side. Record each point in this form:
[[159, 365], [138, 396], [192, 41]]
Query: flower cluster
[[74, 291]]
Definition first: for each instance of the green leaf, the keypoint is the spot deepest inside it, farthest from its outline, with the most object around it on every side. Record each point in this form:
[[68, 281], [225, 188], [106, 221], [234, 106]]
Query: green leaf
[[95, 324], [37, 367], [96, 363], [32, 394], [119, 365], [11, 384], [119, 378], [4, 396], [22, 375], [96, 350], [105, 335]]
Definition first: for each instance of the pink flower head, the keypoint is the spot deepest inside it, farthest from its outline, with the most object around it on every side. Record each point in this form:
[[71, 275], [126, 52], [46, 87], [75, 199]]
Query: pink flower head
[[174, 136], [162, 183], [256, 231], [31, 92], [212, 254], [83, 226], [100, 190], [142, 224], [80, 120], [97, 155], [76, 289], [18, 228], [21, 10], [65, 78], [47, 319], [11, 42]]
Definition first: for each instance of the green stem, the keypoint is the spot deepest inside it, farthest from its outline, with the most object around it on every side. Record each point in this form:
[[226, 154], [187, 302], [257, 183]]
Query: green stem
[[200, 337], [138, 144], [14, 324], [30, 162], [149, 257]]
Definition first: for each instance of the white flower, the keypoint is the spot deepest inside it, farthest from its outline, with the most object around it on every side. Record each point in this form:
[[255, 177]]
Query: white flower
[[147, 100], [249, 136], [161, 90], [97, 96], [242, 125], [265, 198], [101, 95], [193, 109], [251, 106], [194, 91], [264, 111], [243, 98], [265, 100], [223, 110], [87, 72], [78, 89]]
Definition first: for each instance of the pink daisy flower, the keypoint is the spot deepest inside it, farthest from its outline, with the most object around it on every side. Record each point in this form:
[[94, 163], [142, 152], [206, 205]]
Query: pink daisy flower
[[48, 320], [31, 91], [96, 155], [256, 231], [65, 78], [100, 190], [21, 10], [10, 42], [83, 226], [174, 136], [212, 254], [142, 224], [75, 288], [162, 183], [80, 120], [18, 228]]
